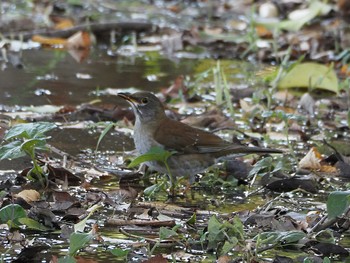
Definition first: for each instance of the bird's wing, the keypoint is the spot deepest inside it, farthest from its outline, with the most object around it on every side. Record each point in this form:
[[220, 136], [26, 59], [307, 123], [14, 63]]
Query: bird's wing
[[186, 139]]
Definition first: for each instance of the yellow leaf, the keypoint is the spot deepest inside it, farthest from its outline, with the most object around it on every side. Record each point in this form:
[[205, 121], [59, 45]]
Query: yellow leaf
[[50, 41], [310, 75]]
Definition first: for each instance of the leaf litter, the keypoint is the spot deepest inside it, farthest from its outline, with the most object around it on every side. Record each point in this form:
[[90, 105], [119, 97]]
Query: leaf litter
[[204, 220]]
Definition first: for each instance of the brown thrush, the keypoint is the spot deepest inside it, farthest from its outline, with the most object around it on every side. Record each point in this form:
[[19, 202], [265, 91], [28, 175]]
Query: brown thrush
[[195, 149]]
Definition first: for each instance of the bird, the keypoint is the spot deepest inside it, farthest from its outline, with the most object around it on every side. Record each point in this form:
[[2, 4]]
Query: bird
[[193, 150]]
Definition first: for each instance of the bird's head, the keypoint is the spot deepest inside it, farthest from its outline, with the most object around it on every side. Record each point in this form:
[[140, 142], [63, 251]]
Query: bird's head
[[146, 106]]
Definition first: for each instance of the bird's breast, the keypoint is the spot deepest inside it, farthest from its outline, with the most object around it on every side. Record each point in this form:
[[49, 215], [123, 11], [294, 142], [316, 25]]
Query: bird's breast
[[143, 139]]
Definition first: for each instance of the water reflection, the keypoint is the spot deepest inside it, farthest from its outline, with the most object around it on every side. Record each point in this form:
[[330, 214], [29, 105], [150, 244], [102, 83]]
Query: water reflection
[[56, 72]]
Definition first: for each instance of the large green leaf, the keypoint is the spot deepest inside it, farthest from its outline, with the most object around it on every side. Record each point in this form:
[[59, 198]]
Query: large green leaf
[[277, 237], [11, 150], [11, 213], [31, 144], [78, 241], [155, 154], [166, 233], [310, 75], [80, 226], [215, 233], [29, 130], [32, 224], [338, 202], [291, 237]]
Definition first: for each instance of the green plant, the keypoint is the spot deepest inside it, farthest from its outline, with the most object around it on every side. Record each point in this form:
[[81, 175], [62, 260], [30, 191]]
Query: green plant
[[156, 154], [338, 203], [165, 233], [268, 240], [14, 215], [79, 239], [103, 134], [224, 236], [345, 85], [221, 87], [268, 165], [251, 36], [27, 139]]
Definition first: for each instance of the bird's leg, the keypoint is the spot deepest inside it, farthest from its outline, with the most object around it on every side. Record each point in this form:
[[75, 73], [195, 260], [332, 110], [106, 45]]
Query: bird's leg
[[172, 185]]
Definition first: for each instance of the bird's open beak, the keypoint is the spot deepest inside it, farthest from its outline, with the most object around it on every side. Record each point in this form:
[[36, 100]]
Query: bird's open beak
[[128, 97], [133, 101]]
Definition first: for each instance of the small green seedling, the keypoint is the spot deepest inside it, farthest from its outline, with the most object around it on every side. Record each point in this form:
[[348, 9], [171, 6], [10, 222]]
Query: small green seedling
[[27, 139], [156, 154]]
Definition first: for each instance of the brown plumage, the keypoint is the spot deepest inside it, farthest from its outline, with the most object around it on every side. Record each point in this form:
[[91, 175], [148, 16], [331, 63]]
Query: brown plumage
[[196, 149]]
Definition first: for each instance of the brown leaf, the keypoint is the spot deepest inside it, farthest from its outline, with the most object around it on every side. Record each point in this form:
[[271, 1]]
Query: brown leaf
[[49, 41], [64, 23], [80, 40], [311, 160], [156, 259], [29, 195]]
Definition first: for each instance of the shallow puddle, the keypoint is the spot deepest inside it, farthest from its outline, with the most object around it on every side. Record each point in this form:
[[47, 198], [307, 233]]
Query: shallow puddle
[[53, 77]]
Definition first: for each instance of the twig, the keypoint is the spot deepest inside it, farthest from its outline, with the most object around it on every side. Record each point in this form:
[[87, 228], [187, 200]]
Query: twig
[[60, 152], [120, 222]]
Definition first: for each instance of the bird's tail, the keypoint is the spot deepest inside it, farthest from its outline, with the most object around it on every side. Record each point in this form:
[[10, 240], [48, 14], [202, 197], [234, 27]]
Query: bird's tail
[[242, 150]]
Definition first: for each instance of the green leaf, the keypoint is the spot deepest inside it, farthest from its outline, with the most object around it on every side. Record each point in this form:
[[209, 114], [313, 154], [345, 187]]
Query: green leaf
[[280, 238], [120, 253], [215, 233], [268, 237], [338, 203], [291, 237], [192, 220], [32, 224], [78, 241], [103, 134], [228, 246], [310, 75], [151, 190], [166, 233], [12, 213], [154, 154], [325, 236], [11, 150], [29, 130], [80, 226], [238, 228], [31, 144], [261, 165]]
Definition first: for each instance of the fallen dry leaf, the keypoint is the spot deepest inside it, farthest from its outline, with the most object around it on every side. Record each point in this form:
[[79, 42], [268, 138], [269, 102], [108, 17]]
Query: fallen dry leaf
[[64, 23], [80, 40], [29, 195], [311, 160], [49, 41]]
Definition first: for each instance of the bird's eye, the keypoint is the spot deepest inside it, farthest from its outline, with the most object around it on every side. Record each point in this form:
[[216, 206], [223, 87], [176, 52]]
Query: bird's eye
[[144, 100]]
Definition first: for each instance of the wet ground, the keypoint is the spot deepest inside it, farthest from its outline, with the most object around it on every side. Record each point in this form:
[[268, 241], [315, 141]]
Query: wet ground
[[37, 82]]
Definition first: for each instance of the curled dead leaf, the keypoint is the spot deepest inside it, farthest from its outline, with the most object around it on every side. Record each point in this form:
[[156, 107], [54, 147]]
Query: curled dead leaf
[[49, 41], [311, 160], [80, 40], [29, 195]]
